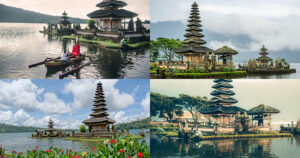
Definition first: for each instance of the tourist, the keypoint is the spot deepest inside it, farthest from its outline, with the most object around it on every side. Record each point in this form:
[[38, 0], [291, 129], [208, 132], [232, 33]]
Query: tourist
[[76, 48], [64, 57]]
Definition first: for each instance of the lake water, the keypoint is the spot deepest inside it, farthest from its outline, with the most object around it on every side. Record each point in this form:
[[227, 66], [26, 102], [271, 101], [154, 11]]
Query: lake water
[[22, 45], [22, 142], [164, 147]]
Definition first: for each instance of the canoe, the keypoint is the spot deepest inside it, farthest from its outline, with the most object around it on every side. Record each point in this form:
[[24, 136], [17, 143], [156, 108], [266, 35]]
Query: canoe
[[58, 63]]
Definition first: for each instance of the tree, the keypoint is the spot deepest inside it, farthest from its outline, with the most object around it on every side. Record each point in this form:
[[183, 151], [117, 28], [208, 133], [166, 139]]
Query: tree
[[193, 105], [83, 129], [131, 25], [154, 50], [139, 25], [167, 46], [165, 105], [91, 24]]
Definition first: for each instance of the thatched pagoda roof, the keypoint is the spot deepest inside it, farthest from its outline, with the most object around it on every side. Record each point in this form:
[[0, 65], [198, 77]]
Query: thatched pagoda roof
[[98, 120], [222, 85], [99, 114], [263, 109], [111, 3], [216, 100], [222, 80], [192, 49], [225, 50], [117, 13], [100, 108], [222, 110], [217, 92], [264, 58]]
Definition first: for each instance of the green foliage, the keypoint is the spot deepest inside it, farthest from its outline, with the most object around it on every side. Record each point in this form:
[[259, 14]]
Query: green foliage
[[166, 105], [82, 129], [139, 124], [91, 24], [16, 129], [166, 46], [139, 25], [210, 75], [121, 146]]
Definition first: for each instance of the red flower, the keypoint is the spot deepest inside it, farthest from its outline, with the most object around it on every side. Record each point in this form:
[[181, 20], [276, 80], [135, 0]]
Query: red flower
[[78, 156], [48, 151], [32, 150], [70, 150], [129, 157], [14, 151], [113, 141], [61, 151], [122, 150], [93, 148], [36, 147], [140, 155]]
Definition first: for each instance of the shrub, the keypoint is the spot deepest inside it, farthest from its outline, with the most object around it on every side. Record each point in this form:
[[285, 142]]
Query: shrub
[[91, 24], [82, 129]]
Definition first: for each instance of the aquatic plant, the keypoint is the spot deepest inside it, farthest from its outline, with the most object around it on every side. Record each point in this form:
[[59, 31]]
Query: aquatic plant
[[119, 147]]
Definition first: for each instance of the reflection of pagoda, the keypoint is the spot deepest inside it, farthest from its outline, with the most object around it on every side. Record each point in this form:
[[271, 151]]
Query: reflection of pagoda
[[110, 15], [264, 59], [194, 49], [221, 110], [99, 121]]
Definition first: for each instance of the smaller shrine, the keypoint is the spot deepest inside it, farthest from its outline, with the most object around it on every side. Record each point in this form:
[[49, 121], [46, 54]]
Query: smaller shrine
[[50, 132], [226, 55], [261, 115]]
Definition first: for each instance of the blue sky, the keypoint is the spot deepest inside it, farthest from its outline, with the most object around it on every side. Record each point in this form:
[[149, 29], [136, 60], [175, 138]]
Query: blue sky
[[69, 102]]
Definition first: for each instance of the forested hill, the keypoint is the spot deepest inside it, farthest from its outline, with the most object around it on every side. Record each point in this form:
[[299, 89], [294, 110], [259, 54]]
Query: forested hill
[[16, 129], [139, 124], [18, 15]]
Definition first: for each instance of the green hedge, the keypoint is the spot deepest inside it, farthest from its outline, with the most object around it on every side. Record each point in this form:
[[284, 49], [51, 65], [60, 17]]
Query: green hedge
[[210, 75], [246, 136]]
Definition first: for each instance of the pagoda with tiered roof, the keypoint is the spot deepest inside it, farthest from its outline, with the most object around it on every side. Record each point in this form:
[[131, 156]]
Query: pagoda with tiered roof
[[110, 15], [221, 110], [194, 47], [99, 121], [65, 23], [264, 59]]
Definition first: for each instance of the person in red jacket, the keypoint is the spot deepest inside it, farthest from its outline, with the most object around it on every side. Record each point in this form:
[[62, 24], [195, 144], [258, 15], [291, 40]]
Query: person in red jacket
[[76, 48]]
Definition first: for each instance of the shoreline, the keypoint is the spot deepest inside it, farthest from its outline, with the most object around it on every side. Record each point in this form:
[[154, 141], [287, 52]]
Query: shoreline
[[108, 44]]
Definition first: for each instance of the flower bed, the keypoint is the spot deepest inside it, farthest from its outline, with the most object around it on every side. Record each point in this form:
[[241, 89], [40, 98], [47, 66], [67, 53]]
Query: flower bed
[[120, 147]]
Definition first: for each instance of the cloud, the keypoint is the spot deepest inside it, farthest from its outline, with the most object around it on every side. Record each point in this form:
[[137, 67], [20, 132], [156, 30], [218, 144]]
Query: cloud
[[25, 95], [18, 118], [217, 44], [84, 92], [146, 105]]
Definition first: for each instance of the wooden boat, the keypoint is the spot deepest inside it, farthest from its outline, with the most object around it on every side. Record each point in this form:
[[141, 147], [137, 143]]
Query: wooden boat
[[58, 63]]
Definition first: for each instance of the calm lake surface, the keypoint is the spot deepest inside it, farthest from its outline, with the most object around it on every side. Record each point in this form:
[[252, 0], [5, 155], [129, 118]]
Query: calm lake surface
[[21, 142], [230, 148], [23, 44]]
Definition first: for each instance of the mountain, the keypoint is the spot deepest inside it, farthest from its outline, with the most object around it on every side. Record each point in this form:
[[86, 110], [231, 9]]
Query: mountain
[[18, 15], [16, 129], [139, 124], [176, 30]]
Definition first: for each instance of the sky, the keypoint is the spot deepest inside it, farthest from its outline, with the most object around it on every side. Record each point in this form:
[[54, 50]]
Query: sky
[[281, 94], [69, 102], [76, 8], [274, 23]]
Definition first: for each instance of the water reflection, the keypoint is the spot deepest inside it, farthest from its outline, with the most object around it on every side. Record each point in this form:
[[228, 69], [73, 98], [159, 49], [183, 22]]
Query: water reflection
[[22, 45], [254, 148]]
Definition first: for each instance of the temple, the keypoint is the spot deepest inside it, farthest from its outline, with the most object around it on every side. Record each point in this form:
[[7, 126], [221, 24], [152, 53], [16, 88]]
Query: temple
[[65, 24], [99, 121], [261, 115], [50, 132], [221, 110], [99, 124], [225, 53], [194, 48], [264, 60], [110, 15]]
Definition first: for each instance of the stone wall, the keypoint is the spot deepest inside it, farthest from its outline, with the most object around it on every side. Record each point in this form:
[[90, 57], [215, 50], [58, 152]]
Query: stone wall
[[260, 129], [225, 130]]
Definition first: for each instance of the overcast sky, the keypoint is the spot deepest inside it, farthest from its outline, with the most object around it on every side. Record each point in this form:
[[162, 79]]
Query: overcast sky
[[274, 23], [69, 102], [281, 94], [76, 8]]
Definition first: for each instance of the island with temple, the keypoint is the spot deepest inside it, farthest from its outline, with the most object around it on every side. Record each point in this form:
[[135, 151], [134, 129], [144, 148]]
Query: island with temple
[[112, 26], [50, 132], [265, 65], [199, 118], [191, 58]]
